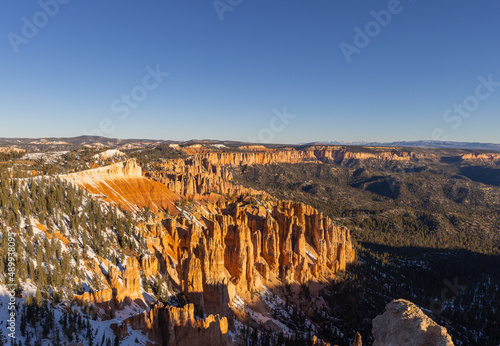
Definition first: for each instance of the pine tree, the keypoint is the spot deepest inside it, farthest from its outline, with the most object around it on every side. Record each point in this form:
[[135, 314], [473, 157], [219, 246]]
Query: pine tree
[[3, 340], [96, 282], [38, 298], [23, 324], [90, 334], [56, 337], [28, 339]]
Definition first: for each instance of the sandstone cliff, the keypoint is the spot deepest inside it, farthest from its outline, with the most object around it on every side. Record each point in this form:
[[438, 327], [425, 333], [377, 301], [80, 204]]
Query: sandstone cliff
[[404, 324], [172, 326], [128, 168], [483, 158], [122, 287], [205, 171], [227, 244], [124, 184], [7, 150], [197, 176], [258, 155], [239, 246]]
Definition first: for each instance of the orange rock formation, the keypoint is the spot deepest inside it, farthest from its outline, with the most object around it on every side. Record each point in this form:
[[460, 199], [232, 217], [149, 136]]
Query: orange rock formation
[[123, 183], [116, 293], [260, 155], [204, 172], [240, 246], [486, 158], [197, 176], [215, 249], [7, 150], [172, 326]]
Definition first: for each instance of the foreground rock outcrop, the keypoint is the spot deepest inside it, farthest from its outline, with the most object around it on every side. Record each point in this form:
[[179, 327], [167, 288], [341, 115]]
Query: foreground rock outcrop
[[404, 324]]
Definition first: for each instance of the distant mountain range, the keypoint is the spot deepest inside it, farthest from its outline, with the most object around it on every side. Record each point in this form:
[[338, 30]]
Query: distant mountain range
[[131, 143], [425, 144]]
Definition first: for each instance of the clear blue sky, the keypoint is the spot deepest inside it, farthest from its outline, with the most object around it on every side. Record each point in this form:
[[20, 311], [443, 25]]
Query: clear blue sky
[[226, 76]]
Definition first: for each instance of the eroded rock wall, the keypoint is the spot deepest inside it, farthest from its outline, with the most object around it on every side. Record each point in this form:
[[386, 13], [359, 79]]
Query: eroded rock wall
[[177, 326], [240, 246]]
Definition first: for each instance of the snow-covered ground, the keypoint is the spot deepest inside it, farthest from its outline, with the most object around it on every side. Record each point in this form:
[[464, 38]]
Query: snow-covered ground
[[52, 157], [102, 329], [218, 146], [109, 154]]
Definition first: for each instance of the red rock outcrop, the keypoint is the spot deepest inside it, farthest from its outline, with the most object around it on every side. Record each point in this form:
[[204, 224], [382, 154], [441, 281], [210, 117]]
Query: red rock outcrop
[[123, 183], [213, 249], [318, 342], [149, 265], [169, 325], [116, 293], [197, 176], [7, 150], [241, 245], [227, 248], [358, 341], [484, 158], [263, 156], [204, 172], [131, 281]]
